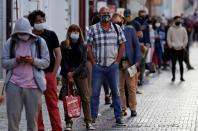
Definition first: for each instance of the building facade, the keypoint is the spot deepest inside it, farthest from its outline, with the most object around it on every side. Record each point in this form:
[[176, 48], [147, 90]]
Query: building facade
[[170, 8], [2, 29], [60, 14]]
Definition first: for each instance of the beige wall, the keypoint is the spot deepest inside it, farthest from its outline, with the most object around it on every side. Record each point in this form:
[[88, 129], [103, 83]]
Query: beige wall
[[136, 5], [169, 7], [2, 30], [178, 7]]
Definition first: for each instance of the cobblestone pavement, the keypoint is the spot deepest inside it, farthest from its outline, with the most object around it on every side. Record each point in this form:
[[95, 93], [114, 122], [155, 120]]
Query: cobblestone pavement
[[163, 106]]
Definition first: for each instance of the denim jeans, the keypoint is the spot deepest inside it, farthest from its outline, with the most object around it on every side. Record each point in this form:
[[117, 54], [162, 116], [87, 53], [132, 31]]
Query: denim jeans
[[111, 74]]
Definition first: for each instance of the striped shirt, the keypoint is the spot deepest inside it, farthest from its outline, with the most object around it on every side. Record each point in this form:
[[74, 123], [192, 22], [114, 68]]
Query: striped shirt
[[105, 43]]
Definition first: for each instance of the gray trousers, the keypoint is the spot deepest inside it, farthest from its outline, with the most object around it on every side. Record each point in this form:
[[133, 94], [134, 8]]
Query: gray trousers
[[16, 98]]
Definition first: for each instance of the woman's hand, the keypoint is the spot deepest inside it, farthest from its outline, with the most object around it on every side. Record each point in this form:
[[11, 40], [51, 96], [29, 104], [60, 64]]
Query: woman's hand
[[19, 59], [71, 80], [70, 75], [28, 59]]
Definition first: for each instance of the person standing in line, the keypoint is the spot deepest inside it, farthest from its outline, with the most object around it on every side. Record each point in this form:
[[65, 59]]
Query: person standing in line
[[130, 57], [96, 19], [37, 20], [129, 20], [74, 70], [158, 45], [25, 79], [177, 39], [105, 50], [143, 19]]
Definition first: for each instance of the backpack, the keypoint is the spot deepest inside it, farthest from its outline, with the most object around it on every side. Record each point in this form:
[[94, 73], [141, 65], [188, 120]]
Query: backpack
[[13, 43]]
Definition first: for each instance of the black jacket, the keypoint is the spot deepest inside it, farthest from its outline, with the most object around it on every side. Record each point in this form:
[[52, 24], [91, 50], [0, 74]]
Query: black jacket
[[81, 69]]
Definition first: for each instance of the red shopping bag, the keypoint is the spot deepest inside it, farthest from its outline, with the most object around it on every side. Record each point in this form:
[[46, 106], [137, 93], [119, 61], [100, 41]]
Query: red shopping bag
[[72, 103]]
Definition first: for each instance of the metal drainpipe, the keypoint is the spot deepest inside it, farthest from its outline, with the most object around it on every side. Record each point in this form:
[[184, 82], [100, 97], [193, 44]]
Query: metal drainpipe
[[82, 14], [8, 18], [91, 10]]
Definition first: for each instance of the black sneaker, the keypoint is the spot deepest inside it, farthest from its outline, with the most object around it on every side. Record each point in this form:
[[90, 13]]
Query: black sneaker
[[133, 113], [182, 79], [173, 79], [89, 126], [120, 122], [191, 68]]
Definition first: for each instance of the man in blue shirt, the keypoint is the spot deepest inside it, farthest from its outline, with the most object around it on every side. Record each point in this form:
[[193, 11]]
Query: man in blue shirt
[[131, 57]]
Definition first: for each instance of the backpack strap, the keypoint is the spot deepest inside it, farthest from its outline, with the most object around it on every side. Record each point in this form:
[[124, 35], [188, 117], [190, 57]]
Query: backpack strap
[[116, 29], [38, 47]]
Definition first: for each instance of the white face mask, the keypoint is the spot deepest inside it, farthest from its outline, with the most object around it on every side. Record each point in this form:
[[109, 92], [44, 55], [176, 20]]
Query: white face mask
[[24, 37], [150, 26], [157, 24], [40, 26]]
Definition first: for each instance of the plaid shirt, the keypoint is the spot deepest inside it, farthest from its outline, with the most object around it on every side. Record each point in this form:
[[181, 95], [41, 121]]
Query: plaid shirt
[[105, 43]]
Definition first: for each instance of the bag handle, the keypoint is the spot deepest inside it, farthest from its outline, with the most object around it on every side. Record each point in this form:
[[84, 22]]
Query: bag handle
[[69, 90]]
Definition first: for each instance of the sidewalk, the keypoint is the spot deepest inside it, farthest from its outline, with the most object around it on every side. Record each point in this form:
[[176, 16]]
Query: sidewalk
[[163, 106]]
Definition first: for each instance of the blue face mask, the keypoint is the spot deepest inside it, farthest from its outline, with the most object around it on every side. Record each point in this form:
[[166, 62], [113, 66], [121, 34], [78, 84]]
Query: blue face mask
[[74, 36]]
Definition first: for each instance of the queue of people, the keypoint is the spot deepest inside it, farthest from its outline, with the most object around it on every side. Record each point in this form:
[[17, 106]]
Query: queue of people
[[116, 53]]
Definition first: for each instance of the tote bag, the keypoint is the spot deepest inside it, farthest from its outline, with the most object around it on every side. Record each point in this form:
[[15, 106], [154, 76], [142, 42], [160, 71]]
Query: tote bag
[[72, 103]]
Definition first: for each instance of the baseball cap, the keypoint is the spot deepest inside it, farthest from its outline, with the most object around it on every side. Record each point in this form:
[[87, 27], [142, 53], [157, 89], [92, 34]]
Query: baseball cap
[[127, 12]]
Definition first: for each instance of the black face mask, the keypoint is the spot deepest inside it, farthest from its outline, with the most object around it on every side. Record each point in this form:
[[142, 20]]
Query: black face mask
[[142, 16], [119, 23], [105, 18], [177, 23]]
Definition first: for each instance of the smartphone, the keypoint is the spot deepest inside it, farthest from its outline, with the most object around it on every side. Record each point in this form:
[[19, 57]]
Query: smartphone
[[22, 57]]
